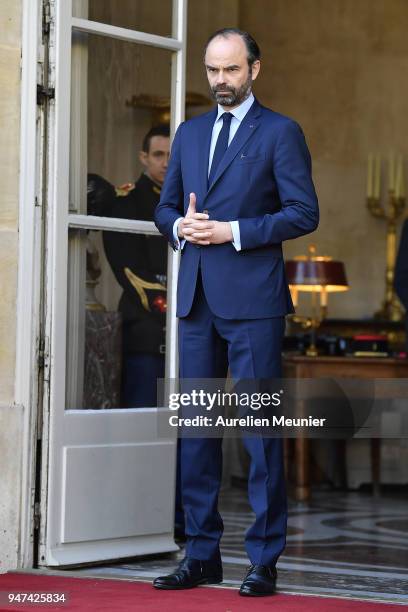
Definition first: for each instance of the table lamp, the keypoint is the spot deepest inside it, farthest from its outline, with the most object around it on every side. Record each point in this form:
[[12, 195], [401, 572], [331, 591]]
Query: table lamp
[[318, 275]]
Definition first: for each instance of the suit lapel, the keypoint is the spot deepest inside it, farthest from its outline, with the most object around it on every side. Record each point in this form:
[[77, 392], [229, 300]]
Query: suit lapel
[[204, 152], [248, 126]]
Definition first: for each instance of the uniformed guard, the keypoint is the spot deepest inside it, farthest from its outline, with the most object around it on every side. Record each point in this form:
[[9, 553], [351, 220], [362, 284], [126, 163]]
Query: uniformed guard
[[139, 263]]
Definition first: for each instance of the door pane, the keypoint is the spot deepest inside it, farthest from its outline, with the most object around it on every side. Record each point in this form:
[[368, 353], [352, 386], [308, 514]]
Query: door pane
[[151, 16], [116, 319], [120, 91]]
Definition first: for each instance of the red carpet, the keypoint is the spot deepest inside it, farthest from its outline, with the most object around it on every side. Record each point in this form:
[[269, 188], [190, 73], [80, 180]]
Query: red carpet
[[124, 596]]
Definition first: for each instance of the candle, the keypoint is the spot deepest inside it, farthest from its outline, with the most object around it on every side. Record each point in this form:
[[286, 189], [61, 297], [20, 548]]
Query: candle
[[398, 177], [391, 172], [377, 175], [370, 176]]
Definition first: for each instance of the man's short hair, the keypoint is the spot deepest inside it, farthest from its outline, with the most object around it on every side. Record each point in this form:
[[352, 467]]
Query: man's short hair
[[157, 130], [254, 52]]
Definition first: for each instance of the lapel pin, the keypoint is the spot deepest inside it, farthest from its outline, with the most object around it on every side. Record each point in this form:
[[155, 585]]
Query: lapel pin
[[252, 125]]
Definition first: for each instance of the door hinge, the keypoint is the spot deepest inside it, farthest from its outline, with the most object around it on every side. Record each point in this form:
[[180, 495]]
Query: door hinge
[[44, 94], [37, 515], [41, 354]]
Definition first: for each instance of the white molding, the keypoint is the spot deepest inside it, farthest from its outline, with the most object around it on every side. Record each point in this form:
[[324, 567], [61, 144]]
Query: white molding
[[75, 356], [103, 29], [112, 224], [178, 83], [29, 274], [178, 96], [143, 544], [57, 255]]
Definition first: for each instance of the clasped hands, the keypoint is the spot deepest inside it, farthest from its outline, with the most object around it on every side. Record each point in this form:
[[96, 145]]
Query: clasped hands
[[198, 229]]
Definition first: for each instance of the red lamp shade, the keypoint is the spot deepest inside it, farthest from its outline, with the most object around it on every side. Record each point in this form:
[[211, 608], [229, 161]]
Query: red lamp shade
[[316, 274]]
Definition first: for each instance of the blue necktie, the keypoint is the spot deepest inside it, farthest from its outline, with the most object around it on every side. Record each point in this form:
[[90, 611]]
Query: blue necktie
[[221, 146]]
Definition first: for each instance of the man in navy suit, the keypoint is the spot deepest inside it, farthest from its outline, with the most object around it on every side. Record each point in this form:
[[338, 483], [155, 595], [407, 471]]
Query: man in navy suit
[[238, 184]]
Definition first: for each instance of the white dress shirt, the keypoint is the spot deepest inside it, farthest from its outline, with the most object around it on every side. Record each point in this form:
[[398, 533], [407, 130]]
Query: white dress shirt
[[238, 115]]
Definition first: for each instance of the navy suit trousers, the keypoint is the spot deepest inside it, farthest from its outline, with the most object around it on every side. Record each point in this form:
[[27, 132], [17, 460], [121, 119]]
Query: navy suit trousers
[[252, 349]]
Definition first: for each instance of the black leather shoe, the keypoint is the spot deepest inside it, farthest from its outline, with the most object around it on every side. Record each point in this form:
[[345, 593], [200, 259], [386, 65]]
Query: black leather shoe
[[191, 573], [260, 580]]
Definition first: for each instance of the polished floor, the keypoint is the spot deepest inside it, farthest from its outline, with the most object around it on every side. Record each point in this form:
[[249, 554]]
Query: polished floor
[[348, 545]]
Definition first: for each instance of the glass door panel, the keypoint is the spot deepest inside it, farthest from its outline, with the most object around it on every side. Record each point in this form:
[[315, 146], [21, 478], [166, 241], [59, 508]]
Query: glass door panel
[[152, 16], [116, 319], [120, 144], [125, 93]]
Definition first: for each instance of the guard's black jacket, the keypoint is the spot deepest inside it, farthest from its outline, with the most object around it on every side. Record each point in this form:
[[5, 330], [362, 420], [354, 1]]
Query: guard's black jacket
[[139, 263]]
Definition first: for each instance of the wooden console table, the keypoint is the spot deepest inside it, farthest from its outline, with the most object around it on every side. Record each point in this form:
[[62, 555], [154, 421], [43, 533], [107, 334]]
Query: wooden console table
[[301, 366]]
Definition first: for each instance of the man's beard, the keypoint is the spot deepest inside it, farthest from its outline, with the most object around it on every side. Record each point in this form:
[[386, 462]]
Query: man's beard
[[235, 96]]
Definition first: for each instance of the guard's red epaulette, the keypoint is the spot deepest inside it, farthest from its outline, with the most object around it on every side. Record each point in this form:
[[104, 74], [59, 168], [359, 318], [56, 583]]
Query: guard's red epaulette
[[124, 190]]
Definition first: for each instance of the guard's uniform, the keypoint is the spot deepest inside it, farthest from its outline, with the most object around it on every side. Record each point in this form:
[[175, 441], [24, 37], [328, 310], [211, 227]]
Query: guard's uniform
[[139, 263]]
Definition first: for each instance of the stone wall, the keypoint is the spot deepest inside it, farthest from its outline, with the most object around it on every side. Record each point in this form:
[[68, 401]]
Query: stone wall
[[10, 50], [10, 415]]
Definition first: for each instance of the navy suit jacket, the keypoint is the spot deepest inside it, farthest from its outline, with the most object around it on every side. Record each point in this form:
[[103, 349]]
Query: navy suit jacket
[[263, 181]]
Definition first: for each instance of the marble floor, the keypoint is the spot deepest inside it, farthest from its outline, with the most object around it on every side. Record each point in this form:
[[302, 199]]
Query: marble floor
[[349, 545]]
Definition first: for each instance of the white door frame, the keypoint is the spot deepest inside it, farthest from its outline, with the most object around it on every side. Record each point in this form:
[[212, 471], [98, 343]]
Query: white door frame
[[30, 266]]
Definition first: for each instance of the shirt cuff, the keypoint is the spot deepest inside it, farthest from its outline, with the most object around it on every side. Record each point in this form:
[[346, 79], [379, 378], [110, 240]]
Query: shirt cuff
[[179, 244], [236, 235]]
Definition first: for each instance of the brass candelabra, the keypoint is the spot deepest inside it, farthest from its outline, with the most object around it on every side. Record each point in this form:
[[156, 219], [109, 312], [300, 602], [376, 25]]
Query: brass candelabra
[[391, 309], [311, 323]]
